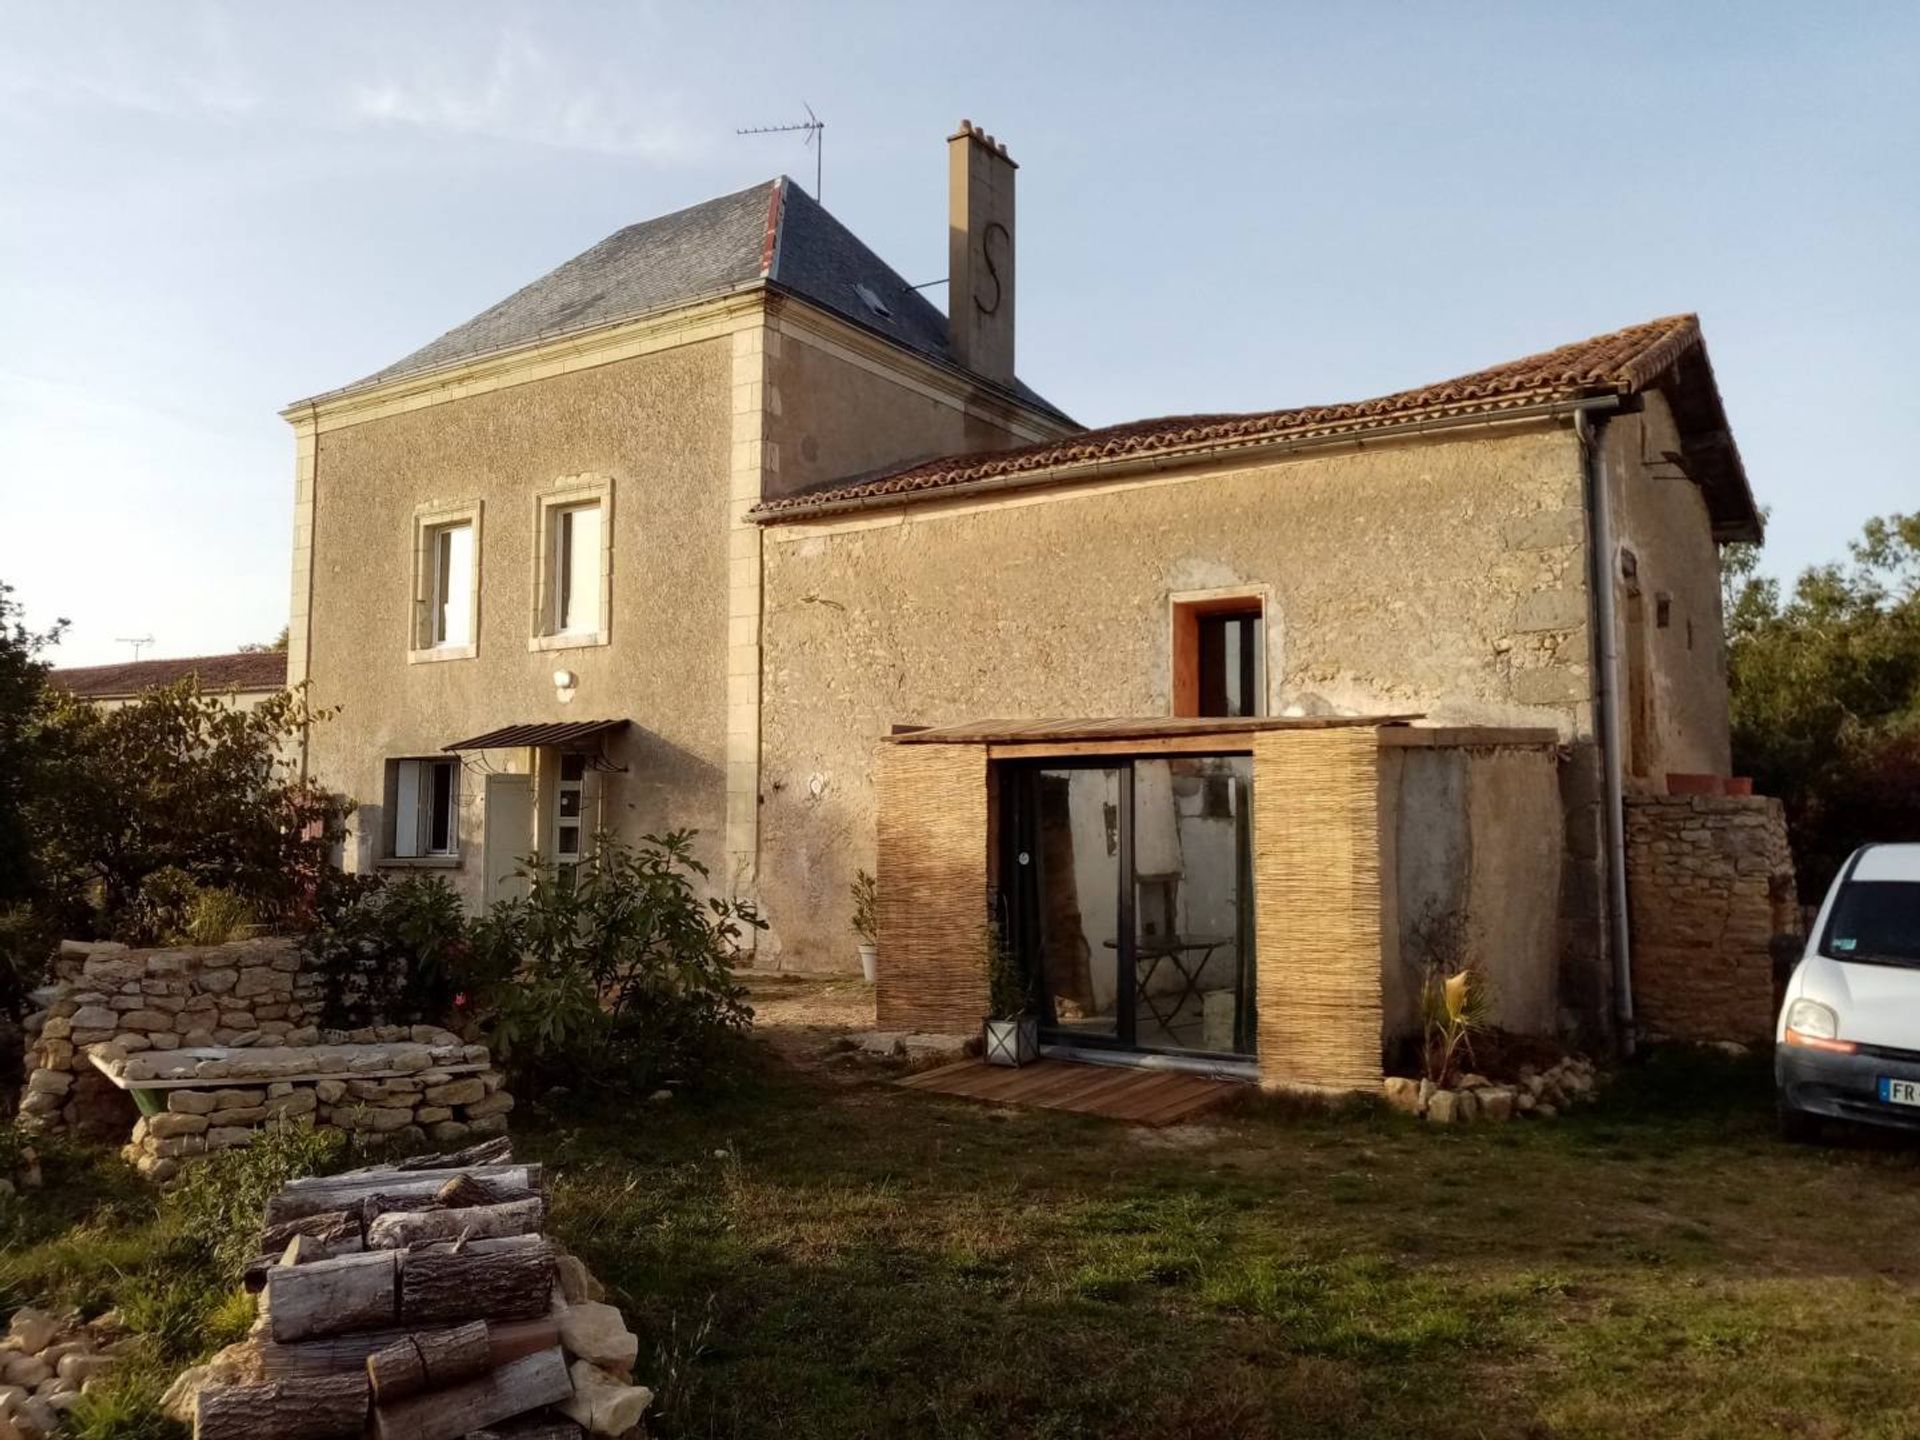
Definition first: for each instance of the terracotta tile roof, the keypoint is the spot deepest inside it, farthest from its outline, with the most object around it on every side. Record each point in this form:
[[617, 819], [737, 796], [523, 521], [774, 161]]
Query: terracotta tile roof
[[249, 670], [1668, 353]]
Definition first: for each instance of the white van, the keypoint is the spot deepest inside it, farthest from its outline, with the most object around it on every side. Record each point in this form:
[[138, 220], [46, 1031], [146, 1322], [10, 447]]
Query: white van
[[1848, 1042]]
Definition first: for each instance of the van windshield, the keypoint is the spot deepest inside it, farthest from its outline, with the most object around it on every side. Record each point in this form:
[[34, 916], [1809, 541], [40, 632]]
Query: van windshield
[[1875, 922]]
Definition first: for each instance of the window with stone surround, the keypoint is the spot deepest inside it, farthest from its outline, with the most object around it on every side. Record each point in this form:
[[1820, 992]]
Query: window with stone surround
[[573, 563], [444, 624]]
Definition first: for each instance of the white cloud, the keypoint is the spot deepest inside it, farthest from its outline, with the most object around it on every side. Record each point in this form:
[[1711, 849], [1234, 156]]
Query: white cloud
[[480, 82], [517, 92], [72, 57]]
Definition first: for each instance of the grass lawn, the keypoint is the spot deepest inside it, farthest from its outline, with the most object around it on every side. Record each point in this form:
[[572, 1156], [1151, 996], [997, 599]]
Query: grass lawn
[[822, 1254]]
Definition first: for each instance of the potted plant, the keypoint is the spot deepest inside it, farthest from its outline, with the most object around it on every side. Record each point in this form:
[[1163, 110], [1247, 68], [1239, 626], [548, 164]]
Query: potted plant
[[1012, 1029], [866, 898]]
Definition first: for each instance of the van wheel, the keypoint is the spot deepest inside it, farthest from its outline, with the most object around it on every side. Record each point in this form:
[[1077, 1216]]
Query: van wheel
[[1796, 1126]]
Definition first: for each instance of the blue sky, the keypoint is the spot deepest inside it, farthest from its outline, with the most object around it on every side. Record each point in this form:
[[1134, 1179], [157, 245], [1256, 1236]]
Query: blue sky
[[209, 210]]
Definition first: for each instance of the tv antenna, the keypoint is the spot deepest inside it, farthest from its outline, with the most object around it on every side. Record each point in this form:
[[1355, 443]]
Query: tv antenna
[[139, 642], [816, 137]]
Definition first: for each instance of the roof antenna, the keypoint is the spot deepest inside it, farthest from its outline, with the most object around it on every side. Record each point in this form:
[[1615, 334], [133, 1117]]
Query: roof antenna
[[139, 642], [816, 137]]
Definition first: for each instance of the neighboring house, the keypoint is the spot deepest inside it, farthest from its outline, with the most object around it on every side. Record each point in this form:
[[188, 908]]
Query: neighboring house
[[242, 680], [680, 533]]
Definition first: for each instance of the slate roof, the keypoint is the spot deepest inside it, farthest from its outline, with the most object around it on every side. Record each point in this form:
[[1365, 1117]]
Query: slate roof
[[773, 233], [252, 670], [1668, 354]]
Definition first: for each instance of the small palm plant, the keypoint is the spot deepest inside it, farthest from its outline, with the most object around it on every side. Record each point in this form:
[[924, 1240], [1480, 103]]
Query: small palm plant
[[1456, 994], [1453, 1009]]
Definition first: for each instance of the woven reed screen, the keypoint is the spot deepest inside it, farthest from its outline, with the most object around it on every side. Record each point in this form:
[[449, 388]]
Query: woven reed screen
[[932, 874], [1316, 868]]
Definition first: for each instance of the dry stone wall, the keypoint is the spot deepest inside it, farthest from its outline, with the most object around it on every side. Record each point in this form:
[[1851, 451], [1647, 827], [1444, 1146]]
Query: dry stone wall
[[239, 1019], [1710, 886], [245, 993]]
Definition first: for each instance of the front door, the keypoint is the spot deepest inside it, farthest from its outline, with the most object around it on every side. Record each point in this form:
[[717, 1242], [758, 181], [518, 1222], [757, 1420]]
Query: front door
[[509, 835], [1129, 895]]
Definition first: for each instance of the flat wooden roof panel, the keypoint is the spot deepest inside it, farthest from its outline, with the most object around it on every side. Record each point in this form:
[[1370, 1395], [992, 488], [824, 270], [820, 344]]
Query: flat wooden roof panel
[[1151, 727]]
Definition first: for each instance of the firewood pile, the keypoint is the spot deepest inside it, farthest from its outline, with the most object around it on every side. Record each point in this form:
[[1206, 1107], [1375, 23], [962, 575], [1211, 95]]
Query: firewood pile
[[419, 1301]]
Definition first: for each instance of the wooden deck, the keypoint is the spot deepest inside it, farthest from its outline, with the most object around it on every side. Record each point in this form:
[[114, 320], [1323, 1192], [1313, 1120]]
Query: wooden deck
[[1138, 1096]]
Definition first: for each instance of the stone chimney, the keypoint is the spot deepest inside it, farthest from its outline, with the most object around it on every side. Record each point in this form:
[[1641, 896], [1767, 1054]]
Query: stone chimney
[[980, 252]]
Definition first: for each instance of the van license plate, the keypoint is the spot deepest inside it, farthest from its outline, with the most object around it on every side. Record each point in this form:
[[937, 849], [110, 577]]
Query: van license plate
[[1899, 1092]]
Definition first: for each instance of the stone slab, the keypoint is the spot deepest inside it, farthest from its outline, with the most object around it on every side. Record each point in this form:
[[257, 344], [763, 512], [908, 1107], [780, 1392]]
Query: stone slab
[[213, 1067]]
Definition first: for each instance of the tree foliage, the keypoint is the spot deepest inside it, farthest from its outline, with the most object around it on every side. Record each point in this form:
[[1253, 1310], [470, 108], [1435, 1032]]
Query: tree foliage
[[23, 758], [1825, 692], [613, 976], [179, 781], [27, 930]]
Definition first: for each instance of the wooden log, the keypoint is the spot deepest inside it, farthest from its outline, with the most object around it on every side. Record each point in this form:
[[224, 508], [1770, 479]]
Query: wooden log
[[255, 1276], [477, 1192], [332, 1297], [313, 1407], [530, 1427], [505, 1279], [507, 1340], [345, 1192], [380, 1203], [497, 1151], [330, 1226], [463, 1191], [304, 1250], [364, 1182], [527, 1384], [396, 1231], [429, 1360]]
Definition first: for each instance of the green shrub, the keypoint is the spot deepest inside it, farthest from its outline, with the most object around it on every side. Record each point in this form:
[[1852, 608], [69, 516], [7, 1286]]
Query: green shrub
[[393, 954], [172, 908], [124, 1404], [218, 916], [1009, 986], [219, 1200], [614, 976], [866, 906]]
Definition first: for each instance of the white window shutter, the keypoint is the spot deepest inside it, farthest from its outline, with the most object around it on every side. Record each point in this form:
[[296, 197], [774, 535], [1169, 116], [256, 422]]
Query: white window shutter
[[407, 809]]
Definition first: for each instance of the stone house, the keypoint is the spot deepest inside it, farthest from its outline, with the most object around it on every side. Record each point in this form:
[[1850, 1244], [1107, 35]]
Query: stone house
[[682, 532], [242, 679]]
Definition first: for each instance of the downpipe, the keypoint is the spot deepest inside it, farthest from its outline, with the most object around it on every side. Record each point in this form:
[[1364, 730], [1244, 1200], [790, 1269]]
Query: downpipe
[[1601, 562]]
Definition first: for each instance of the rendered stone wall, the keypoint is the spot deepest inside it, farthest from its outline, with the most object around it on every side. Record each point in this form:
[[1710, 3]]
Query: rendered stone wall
[[657, 427], [1709, 885], [1447, 579]]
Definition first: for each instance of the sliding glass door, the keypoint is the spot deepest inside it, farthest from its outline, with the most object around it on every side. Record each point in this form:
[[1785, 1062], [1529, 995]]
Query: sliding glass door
[[1129, 899]]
